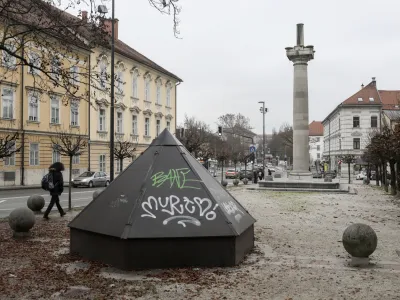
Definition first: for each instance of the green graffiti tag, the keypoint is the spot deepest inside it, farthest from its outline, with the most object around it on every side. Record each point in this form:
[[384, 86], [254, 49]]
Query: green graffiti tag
[[175, 177]]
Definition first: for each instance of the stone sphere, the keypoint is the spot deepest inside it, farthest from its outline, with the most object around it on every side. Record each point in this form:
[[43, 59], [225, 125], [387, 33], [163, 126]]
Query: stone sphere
[[359, 240], [224, 183], [245, 181], [235, 181], [35, 202], [96, 193], [21, 219]]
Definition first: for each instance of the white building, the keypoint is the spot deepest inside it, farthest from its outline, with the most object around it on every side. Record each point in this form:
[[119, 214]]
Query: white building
[[316, 141], [348, 128]]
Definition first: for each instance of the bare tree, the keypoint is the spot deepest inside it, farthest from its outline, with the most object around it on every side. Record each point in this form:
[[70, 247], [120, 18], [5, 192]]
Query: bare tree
[[196, 135], [8, 145], [348, 159], [124, 149], [70, 145], [46, 37]]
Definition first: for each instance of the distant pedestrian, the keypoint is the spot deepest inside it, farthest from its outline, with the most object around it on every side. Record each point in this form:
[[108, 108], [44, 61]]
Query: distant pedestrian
[[56, 188]]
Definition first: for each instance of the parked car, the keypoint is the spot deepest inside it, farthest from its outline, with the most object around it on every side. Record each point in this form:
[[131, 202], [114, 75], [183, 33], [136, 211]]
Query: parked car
[[248, 174], [91, 179], [361, 176], [231, 173]]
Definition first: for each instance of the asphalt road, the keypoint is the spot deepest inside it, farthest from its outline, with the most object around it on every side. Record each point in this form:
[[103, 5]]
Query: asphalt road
[[12, 199]]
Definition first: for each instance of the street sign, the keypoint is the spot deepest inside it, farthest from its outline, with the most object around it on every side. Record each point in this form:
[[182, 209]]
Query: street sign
[[252, 148]]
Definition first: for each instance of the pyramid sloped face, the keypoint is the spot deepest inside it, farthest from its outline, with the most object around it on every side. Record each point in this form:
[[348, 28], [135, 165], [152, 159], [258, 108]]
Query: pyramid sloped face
[[165, 193]]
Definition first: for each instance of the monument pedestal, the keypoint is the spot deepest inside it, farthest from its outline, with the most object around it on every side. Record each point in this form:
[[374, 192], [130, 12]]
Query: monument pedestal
[[300, 175]]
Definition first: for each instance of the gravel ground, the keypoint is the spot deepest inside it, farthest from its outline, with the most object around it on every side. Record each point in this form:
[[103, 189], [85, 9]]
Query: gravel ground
[[298, 255]]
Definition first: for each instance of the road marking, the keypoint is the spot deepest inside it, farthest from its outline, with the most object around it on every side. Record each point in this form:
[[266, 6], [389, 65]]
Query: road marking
[[46, 195]]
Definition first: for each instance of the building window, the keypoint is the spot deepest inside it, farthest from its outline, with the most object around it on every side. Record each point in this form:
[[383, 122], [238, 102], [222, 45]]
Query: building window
[[102, 119], [74, 113], [158, 127], [169, 95], [120, 81], [35, 61], [55, 110], [147, 89], [318, 147], [102, 162], [34, 154], [169, 125], [158, 99], [8, 60], [374, 121], [356, 122], [135, 84], [10, 148], [55, 68], [356, 143], [119, 166], [76, 159], [103, 73], [318, 155], [33, 107], [146, 126], [7, 97], [74, 75], [119, 122], [56, 155], [134, 125]]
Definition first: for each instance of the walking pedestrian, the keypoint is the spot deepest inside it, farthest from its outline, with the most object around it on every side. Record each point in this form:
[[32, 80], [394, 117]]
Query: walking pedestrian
[[58, 183]]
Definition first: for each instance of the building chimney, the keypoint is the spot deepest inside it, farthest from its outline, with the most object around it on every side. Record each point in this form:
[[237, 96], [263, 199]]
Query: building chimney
[[84, 15], [362, 85], [107, 27], [300, 34], [374, 81]]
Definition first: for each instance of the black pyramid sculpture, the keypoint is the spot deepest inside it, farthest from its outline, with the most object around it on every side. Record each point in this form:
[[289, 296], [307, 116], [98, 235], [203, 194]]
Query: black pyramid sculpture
[[164, 210]]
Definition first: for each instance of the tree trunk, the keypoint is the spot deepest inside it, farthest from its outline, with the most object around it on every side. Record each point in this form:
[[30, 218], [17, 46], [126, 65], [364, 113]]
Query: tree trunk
[[377, 174], [70, 184], [348, 165], [392, 178], [398, 175], [121, 162]]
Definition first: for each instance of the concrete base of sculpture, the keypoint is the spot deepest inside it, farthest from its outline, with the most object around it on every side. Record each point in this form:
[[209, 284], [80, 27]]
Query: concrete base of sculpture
[[359, 262], [299, 175], [269, 178]]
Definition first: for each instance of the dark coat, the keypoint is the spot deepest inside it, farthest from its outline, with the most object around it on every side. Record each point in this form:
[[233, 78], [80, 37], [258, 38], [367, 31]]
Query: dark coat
[[58, 182]]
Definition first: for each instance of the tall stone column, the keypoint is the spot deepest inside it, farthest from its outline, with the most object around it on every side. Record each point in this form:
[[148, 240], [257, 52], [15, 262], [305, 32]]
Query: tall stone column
[[300, 55]]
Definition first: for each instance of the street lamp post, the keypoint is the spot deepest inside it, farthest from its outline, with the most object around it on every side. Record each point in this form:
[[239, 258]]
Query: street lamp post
[[263, 110], [112, 95]]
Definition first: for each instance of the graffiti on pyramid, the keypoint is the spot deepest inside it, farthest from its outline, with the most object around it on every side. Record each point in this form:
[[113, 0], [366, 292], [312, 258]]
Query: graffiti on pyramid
[[175, 177], [181, 210]]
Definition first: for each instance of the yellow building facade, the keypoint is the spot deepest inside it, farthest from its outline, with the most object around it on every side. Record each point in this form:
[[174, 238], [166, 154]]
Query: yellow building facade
[[145, 104]]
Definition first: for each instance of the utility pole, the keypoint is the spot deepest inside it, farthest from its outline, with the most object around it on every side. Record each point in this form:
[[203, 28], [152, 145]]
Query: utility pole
[[112, 95], [263, 110]]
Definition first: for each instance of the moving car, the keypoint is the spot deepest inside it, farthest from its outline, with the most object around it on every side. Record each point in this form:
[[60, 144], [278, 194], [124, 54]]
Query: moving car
[[248, 174], [231, 173], [91, 179]]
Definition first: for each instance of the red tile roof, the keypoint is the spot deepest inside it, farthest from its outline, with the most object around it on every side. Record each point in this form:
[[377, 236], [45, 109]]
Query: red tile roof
[[316, 129], [364, 96], [390, 99]]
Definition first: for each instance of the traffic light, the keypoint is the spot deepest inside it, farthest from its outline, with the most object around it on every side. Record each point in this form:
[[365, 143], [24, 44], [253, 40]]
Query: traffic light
[[219, 130]]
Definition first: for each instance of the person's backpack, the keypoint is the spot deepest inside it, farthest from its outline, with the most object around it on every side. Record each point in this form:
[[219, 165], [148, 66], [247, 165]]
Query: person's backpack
[[47, 182]]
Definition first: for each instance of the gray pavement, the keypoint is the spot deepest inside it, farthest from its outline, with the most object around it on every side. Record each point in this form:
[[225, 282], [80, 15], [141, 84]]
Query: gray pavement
[[11, 199]]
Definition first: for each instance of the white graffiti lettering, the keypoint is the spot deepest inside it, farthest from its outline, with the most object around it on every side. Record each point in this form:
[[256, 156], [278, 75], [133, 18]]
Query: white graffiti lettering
[[231, 208], [184, 211]]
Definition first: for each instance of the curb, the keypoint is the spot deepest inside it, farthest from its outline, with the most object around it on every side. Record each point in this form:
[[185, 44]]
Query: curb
[[24, 187]]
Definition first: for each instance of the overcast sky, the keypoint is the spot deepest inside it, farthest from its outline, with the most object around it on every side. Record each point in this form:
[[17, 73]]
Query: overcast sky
[[232, 53]]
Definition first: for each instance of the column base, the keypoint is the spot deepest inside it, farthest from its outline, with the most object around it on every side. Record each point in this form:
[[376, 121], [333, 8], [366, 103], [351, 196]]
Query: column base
[[300, 175]]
